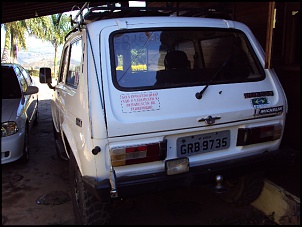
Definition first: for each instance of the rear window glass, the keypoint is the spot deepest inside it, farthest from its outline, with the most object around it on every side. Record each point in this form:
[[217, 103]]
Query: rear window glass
[[155, 59]]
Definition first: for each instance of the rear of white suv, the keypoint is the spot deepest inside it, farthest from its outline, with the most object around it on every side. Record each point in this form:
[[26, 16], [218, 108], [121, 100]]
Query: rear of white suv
[[165, 102]]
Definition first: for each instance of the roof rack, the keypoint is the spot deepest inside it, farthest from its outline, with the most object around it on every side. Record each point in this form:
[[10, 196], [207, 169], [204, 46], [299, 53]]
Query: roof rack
[[113, 11]]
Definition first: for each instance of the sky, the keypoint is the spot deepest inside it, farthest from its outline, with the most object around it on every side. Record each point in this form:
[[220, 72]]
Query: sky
[[31, 42]]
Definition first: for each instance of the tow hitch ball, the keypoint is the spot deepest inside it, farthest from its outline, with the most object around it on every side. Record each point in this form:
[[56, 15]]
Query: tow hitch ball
[[219, 188]]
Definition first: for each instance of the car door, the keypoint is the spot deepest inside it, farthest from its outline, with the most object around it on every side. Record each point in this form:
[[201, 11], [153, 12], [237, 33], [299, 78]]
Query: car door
[[24, 110], [64, 107], [57, 104], [32, 100]]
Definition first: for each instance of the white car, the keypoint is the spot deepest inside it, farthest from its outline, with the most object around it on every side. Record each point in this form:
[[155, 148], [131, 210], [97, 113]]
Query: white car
[[19, 112], [148, 103]]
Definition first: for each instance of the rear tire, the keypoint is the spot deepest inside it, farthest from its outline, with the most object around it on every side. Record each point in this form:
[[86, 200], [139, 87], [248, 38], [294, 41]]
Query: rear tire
[[243, 190], [88, 210]]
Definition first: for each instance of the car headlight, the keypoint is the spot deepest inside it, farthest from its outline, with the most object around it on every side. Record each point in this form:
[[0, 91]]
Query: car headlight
[[9, 128]]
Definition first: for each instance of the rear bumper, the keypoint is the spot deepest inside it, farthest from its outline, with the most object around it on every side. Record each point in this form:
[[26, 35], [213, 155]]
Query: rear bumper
[[134, 185]]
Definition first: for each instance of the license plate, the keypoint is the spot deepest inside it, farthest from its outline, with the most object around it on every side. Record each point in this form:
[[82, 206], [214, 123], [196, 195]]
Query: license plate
[[191, 145]]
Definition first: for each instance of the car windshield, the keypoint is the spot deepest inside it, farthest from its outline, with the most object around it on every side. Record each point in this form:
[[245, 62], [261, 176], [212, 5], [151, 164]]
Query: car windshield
[[10, 84], [152, 59]]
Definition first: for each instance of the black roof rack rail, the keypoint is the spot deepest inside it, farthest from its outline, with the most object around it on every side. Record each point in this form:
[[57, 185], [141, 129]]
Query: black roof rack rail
[[113, 11], [125, 12], [79, 14]]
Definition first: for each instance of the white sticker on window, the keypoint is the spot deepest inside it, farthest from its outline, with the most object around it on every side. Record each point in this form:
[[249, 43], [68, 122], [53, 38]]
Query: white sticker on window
[[140, 102]]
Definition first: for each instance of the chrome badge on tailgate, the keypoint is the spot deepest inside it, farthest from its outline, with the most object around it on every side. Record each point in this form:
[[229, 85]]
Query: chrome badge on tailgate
[[202, 143]]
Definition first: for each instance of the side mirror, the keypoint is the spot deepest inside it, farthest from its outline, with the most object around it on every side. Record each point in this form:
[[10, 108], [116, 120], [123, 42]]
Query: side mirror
[[45, 75], [31, 90]]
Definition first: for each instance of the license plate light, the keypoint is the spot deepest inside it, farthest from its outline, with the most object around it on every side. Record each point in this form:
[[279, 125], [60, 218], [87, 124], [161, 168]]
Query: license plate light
[[177, 166]]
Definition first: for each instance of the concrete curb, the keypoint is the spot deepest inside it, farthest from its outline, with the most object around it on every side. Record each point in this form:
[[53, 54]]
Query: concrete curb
[[280, 205]]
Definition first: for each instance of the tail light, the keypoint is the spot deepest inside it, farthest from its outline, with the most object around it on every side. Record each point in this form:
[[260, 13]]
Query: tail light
[[121, 156], [247, 136]]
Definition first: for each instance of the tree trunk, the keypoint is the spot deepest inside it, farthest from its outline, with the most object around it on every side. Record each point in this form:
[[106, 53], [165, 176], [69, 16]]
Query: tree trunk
[[15, 48], [5, 55], [11, 46], [55, 61]]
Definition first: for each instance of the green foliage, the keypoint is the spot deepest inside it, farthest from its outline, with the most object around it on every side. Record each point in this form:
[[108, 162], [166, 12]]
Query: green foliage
[[38, 27], [33, 72], [59, 27], [14, 40], [51, 28]]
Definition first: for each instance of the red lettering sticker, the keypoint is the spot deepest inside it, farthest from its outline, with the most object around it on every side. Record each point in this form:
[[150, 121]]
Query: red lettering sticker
[[139, 102]]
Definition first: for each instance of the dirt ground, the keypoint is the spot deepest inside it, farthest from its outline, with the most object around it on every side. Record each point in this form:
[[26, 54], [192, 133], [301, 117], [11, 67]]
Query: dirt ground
[[38, 192]]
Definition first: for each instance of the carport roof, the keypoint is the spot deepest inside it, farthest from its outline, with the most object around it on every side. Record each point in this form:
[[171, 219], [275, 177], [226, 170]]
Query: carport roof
[[14, 11]]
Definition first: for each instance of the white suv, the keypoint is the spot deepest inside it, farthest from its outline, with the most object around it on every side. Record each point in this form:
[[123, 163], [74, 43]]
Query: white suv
[[149, 103]]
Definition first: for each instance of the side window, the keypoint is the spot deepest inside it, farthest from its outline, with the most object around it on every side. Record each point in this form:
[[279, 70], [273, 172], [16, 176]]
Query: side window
[[216, 50], [64, 66], [21, 79], [233, 53], [74, 69], [188, 48], [26, 76]]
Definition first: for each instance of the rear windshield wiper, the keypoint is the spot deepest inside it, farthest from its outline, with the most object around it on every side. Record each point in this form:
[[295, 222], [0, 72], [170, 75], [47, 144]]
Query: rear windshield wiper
[[198, 95]]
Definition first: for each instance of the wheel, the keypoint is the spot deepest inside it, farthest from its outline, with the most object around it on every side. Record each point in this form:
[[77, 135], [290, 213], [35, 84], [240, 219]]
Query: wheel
[[58, 141], [243, 190], [88, 210], [25, 157]]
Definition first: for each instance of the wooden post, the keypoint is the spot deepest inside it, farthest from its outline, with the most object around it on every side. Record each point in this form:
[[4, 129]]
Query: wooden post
[[269, 34]]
